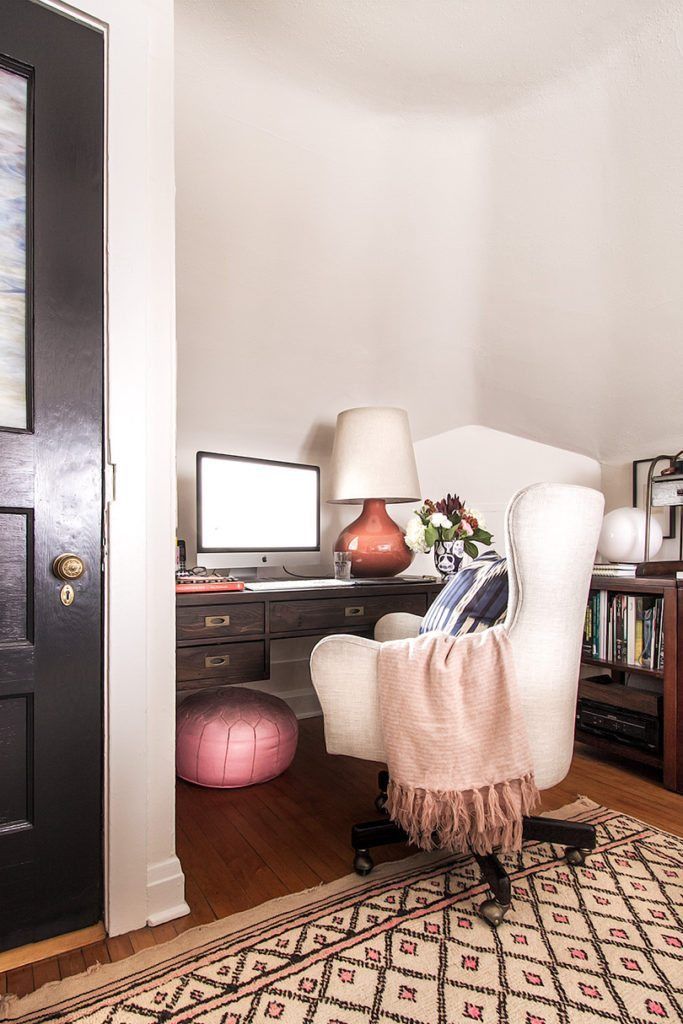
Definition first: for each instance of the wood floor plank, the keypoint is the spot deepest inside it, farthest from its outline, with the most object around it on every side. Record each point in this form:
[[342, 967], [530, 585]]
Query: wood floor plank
[[46, 971], [96, 953], [141, 939], [20, 981], [72, 963], [249, 877], [119, 947], [163, 932], [239, 848], [275, 849], [325, 845]]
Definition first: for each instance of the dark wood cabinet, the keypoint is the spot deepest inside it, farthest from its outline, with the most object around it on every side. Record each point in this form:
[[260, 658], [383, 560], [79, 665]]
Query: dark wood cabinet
[[225, 638]]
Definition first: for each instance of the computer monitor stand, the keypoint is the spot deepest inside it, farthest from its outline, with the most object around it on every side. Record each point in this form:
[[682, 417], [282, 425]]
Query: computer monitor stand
[[273, 572]]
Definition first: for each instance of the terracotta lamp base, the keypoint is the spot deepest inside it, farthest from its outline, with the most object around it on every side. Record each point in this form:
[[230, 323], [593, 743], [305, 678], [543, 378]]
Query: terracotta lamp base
[[375, 541]]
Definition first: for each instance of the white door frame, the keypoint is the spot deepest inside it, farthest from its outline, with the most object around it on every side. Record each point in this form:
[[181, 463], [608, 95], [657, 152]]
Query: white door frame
[[144, 882]]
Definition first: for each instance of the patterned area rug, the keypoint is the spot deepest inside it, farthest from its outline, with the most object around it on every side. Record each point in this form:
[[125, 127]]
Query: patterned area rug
[[599, 943]]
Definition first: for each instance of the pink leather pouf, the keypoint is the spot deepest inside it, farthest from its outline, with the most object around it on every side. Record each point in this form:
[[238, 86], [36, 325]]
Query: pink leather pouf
[[233, 737]]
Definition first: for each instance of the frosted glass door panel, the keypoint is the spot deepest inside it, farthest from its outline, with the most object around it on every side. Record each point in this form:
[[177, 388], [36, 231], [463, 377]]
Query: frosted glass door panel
[[13, 147]]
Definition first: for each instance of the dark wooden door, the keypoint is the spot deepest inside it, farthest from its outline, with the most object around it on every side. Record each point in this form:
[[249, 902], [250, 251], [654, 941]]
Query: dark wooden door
[[51, 359]]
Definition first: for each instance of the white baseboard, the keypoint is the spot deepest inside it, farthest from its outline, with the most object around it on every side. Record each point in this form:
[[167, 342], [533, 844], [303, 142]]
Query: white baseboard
[[165, 892], [291, 682]]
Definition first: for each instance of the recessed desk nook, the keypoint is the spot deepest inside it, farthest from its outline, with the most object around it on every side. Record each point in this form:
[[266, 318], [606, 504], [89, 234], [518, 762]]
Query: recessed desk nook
[[225, 638]]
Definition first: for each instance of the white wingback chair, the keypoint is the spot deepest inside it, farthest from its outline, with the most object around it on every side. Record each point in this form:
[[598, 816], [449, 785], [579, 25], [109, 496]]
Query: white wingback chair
[[551, 532]]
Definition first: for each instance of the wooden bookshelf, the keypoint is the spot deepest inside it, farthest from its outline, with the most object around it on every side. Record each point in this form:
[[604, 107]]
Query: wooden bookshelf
[[620, 666], [671, 699], [615, 749]]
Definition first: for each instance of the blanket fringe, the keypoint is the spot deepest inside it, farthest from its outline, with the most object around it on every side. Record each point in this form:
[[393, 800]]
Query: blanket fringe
[[480, 820]]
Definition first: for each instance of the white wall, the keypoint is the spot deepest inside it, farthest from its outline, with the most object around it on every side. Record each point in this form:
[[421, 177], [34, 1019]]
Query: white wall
[[485, 468], [516, 267], [581, 304], [144, 881], [317, 241], [328, 256], [310, 255]]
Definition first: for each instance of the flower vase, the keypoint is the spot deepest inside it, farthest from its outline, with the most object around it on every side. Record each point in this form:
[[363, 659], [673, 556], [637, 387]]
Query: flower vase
[[447, 557]]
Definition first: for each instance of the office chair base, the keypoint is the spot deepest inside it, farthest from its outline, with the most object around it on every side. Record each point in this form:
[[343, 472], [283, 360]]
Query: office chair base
[[363, 863], [576, 856], [577, 837], [493, 912], [498, 881], [381, 798]]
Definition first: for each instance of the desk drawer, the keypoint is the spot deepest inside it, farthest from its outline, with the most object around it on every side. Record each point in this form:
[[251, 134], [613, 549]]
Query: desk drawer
[[205, 621], [214, 664], [336, 613]]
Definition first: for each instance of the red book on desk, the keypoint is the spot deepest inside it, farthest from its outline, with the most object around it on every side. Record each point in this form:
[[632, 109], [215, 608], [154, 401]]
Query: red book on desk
[[208, 588]]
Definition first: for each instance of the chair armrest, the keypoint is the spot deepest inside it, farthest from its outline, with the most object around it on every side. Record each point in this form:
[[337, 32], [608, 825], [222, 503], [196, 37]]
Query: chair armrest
[[344, 674], [397, 626]]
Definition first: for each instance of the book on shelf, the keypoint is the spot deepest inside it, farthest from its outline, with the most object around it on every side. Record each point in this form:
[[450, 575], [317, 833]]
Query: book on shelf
[[625, 629], [626, 569]]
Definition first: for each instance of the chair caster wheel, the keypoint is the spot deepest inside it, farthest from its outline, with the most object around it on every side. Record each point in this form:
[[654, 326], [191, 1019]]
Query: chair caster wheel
[[575, 855], [494, 912], [363, 862], [381, 803]]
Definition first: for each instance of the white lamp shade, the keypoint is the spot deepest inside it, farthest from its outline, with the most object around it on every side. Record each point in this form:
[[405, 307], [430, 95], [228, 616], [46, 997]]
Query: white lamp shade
[[622, 537], [373, 457]]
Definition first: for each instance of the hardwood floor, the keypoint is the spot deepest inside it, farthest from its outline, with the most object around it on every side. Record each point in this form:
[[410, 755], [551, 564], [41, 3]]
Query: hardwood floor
[[241, 847]]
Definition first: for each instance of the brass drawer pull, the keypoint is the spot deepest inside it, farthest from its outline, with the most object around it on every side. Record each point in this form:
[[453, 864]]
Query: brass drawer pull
[[217, 620], [216, 660], [354, 610]]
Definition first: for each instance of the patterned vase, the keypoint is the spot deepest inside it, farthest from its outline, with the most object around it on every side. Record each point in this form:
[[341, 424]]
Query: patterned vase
[[447, 557]]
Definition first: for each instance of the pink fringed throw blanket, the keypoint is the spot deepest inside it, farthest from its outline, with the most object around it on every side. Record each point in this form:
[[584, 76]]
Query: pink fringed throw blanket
[[460, 768]]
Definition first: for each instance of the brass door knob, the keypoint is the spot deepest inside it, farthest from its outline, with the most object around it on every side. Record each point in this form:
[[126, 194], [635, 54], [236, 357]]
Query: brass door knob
[[68, 566]]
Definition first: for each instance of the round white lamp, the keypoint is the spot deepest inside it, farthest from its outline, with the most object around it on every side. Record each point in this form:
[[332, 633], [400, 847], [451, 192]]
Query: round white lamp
[[622, 537]]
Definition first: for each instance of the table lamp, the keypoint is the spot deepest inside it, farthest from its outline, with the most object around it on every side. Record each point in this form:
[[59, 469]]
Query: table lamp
[[373, 462]]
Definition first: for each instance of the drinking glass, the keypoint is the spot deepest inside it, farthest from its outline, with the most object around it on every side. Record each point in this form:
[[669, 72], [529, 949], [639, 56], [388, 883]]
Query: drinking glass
[[342, 565]]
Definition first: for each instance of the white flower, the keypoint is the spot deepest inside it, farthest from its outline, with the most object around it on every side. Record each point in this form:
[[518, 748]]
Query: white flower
[[438, 519], [415, 535], [478, 516]]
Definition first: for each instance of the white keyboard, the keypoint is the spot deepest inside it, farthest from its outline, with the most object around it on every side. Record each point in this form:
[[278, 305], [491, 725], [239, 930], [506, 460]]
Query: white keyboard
[[298, 584]]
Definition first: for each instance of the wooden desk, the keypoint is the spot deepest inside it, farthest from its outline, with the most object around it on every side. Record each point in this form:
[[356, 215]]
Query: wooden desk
[[225, 638]]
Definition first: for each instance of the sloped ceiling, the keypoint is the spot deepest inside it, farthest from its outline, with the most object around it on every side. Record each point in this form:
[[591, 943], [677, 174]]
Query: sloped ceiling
[[471, 208], [427, 55]]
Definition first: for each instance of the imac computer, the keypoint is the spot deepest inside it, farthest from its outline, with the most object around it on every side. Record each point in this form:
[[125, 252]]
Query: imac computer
[[256, 514]]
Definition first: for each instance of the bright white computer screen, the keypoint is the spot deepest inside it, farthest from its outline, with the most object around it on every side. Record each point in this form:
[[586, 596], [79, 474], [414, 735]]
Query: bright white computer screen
[[250, 505]]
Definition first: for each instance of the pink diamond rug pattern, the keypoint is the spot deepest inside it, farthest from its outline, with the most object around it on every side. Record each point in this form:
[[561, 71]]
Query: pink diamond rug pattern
[[599, 943]]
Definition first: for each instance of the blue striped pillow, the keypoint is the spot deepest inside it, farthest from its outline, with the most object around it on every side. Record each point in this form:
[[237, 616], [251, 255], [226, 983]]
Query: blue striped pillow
[[473, 600]]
